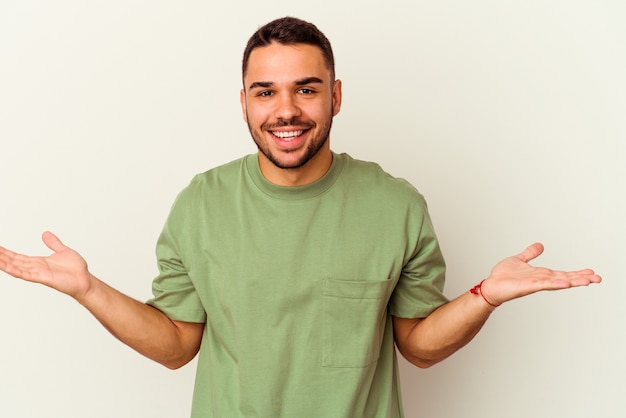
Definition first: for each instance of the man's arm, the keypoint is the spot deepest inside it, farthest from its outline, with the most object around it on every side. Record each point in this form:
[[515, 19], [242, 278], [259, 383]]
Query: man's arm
[[142, 327], [425, 342]]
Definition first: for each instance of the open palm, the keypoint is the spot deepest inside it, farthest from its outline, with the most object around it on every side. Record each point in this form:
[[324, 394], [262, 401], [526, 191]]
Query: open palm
[[514, 277], [65, 270]]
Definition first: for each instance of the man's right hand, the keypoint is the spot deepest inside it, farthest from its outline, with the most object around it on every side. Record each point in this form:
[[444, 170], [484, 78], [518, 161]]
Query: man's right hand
[[64, 270]]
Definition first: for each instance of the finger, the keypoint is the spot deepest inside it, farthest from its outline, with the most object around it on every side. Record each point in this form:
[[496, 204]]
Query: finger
[[11, 262], [6, 256], [52, 241], [584, 277], [531, 252], [6, 252], [554, 279]]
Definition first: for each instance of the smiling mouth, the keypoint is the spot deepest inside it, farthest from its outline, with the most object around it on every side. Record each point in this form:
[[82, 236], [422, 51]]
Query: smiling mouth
[[287, 135]]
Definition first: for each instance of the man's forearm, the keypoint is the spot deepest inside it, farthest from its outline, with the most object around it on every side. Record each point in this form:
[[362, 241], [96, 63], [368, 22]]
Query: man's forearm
[[425, 342], [142, 327]]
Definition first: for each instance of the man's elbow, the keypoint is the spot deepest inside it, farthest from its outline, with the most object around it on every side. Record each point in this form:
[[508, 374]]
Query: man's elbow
[[175, 363], [422, 360], [186, 347]]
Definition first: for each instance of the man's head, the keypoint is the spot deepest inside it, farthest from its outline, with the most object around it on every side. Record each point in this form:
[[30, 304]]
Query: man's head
[[289, 99], [289, 31]]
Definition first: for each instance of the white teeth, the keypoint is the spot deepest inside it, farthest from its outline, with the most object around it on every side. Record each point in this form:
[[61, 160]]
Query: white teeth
[[288, 135]]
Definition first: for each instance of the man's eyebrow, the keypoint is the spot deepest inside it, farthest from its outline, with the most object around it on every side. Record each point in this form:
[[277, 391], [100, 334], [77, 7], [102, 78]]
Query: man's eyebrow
[[261, 85], [301, 82], [309, 80]]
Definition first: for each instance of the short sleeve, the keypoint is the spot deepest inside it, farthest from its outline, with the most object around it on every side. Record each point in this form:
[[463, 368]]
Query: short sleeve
[[419, 290], [173, 290]]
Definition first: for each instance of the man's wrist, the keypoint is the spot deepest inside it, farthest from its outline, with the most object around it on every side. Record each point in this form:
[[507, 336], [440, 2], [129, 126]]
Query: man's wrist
[[478, 290]]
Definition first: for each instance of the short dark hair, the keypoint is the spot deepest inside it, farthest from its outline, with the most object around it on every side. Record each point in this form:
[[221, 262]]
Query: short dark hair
[[287, 31]]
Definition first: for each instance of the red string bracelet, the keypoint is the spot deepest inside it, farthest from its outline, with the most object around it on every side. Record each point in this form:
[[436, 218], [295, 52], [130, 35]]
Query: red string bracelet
[[477, 290]]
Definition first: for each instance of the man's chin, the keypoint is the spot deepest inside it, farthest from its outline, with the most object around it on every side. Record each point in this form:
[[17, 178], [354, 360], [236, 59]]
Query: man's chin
[[292, 159], [289, 163]]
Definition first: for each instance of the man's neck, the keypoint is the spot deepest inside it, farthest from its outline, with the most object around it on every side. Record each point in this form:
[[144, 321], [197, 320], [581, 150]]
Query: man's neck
[[312, 171]]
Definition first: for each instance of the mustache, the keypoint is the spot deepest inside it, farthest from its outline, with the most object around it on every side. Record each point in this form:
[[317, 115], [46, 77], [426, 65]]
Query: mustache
[[295, 121]]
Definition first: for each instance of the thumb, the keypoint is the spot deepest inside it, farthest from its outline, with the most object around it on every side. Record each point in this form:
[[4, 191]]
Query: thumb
[[52, 241], [531, 252]]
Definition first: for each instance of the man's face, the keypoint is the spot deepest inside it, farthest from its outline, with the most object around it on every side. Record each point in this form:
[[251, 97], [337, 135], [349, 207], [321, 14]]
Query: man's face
[[288, 102]]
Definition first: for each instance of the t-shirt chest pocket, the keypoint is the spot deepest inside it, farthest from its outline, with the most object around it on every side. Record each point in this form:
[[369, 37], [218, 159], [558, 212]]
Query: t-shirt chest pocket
[[354, 317]]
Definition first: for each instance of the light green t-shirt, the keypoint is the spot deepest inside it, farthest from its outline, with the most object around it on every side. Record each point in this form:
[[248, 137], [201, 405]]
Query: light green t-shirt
[[297, 286]]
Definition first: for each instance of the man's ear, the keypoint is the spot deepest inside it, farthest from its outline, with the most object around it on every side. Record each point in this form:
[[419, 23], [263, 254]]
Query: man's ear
[[242, 100], [337, 95]]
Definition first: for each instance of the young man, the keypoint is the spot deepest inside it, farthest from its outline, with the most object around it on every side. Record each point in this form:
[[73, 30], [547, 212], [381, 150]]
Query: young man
[[293, 271]]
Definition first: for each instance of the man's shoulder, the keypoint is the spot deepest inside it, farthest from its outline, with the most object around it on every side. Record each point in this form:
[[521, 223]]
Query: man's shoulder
[[370, 175], [222, 176], [231, 168], [219, 180]]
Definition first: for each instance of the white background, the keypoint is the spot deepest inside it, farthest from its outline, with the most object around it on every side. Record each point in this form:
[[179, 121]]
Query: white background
[[507, 115]]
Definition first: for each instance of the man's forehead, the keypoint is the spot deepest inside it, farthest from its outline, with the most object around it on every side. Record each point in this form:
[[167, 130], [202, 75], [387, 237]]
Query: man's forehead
[[295, 61]]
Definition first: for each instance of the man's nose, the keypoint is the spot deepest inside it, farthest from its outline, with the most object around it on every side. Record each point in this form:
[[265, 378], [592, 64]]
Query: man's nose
[[287, 107]]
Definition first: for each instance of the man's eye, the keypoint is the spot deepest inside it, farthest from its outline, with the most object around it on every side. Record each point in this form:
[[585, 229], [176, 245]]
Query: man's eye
[[307, 91], [265, 94]]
